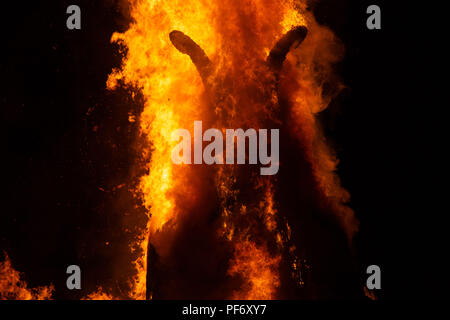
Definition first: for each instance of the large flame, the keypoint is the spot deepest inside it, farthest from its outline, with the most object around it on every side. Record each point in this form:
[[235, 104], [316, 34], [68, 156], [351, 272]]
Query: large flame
[[237, 35]]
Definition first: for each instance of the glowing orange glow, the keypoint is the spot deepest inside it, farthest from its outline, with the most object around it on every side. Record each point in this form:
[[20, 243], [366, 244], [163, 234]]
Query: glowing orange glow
[[238, 36], [313, 62], [258, 270], [241, 91], [99, 295], [12, 287], [172, 91]]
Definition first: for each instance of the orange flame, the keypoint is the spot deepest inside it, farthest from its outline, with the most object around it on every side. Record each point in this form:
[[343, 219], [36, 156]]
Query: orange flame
[[12, 287], [259, 272], [100, 294], [313, 62], [173, 90], [237, 35]]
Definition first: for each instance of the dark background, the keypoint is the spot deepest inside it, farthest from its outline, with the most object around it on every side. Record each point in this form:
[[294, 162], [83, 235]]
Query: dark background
[[67, 144]]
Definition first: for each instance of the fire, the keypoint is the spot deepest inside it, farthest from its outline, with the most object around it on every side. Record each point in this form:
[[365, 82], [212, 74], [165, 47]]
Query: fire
[[236, 36], [174, 93], [258, 269], [12, 287], [100, 294], [313, 61], [172, 89], [231, 64]]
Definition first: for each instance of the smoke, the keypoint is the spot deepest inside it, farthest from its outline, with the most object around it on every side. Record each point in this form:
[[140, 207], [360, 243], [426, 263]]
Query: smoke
[[309, 85]]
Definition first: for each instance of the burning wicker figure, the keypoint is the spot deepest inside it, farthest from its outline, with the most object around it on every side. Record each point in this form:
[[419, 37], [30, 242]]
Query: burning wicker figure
[[254, 215]]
